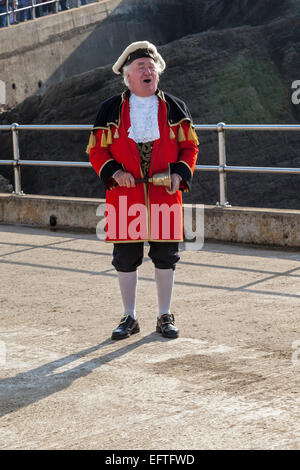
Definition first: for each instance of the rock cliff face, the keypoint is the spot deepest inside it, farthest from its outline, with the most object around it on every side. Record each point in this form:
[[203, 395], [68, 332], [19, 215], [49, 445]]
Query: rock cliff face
[[238, 69]]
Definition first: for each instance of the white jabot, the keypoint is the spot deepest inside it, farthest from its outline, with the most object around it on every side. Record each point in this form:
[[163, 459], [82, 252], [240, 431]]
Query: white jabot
[[143, 118]]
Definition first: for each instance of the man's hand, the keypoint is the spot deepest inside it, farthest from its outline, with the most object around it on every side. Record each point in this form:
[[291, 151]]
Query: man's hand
[[123, 178], [175, 178]]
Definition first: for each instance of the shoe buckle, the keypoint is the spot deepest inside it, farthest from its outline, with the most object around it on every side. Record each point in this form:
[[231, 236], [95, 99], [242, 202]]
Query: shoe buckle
[[123, 320], [170, 319]]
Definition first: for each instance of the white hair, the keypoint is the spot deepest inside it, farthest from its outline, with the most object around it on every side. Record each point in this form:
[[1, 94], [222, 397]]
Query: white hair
[[126, 69]]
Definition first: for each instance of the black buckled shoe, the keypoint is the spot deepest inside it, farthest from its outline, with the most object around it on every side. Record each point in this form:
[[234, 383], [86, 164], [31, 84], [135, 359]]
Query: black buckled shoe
[[165, 326], [128, 326]]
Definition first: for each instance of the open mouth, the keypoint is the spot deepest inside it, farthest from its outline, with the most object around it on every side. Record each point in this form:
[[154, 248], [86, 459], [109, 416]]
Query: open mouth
[[147, 80]]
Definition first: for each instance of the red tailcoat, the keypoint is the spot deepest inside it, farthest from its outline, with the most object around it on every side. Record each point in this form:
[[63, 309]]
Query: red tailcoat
[[146, 212]]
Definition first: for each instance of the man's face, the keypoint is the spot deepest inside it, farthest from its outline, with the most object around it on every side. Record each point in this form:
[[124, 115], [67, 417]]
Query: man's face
[[143, 77]]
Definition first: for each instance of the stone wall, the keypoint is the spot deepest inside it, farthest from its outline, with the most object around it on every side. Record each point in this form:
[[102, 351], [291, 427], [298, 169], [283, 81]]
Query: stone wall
[[38, 53]]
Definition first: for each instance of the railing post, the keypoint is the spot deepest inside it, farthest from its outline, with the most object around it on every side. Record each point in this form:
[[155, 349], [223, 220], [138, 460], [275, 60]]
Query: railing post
[[33, 16], [56, 6], [16, 150], [8, 13], [222, 165]]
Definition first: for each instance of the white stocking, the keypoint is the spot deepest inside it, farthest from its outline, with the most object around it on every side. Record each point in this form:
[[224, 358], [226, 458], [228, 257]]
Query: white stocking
[[128, 284], [164, 282]]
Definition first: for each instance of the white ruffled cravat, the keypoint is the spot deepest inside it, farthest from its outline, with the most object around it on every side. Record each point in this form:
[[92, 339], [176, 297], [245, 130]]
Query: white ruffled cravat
[[143, 118]]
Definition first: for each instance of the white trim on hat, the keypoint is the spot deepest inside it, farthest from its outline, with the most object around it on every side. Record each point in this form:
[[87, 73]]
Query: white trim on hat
[[134, 47]]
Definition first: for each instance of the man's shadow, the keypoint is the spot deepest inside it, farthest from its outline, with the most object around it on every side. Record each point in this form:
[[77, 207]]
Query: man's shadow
[[34, 385]]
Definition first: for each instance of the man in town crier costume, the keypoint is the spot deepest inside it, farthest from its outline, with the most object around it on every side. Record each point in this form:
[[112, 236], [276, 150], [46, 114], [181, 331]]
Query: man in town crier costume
[[138, 134]]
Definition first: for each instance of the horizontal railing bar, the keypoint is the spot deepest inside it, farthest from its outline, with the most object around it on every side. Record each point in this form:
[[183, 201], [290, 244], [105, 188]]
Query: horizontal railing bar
[[262, 127], [30, 7], [48, 127], [222, 168], [206, 127], [254, 169], [207, 167], [249, 127], [227, 168], [45, 163], [247, 169], [53, 163], [199, 127]]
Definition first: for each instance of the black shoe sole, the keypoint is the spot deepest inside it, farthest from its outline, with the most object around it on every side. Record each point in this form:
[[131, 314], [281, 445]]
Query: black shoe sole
[[135, 330]]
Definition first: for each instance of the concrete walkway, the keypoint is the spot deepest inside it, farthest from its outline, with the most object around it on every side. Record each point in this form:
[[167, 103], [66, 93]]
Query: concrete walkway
[[231, 381]]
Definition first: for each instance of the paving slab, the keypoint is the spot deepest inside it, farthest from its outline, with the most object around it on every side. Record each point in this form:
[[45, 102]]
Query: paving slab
[[230, 381]]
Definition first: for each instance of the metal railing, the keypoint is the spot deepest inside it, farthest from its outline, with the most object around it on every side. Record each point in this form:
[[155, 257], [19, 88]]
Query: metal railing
[[35, 9], [221, 168]]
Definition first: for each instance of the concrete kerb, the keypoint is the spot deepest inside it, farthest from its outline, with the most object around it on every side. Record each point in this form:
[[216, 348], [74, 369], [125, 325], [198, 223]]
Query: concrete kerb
[[262, 226]]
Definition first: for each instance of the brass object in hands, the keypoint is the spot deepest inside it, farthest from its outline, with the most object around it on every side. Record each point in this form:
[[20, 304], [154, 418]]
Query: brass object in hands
[[158, 179]]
